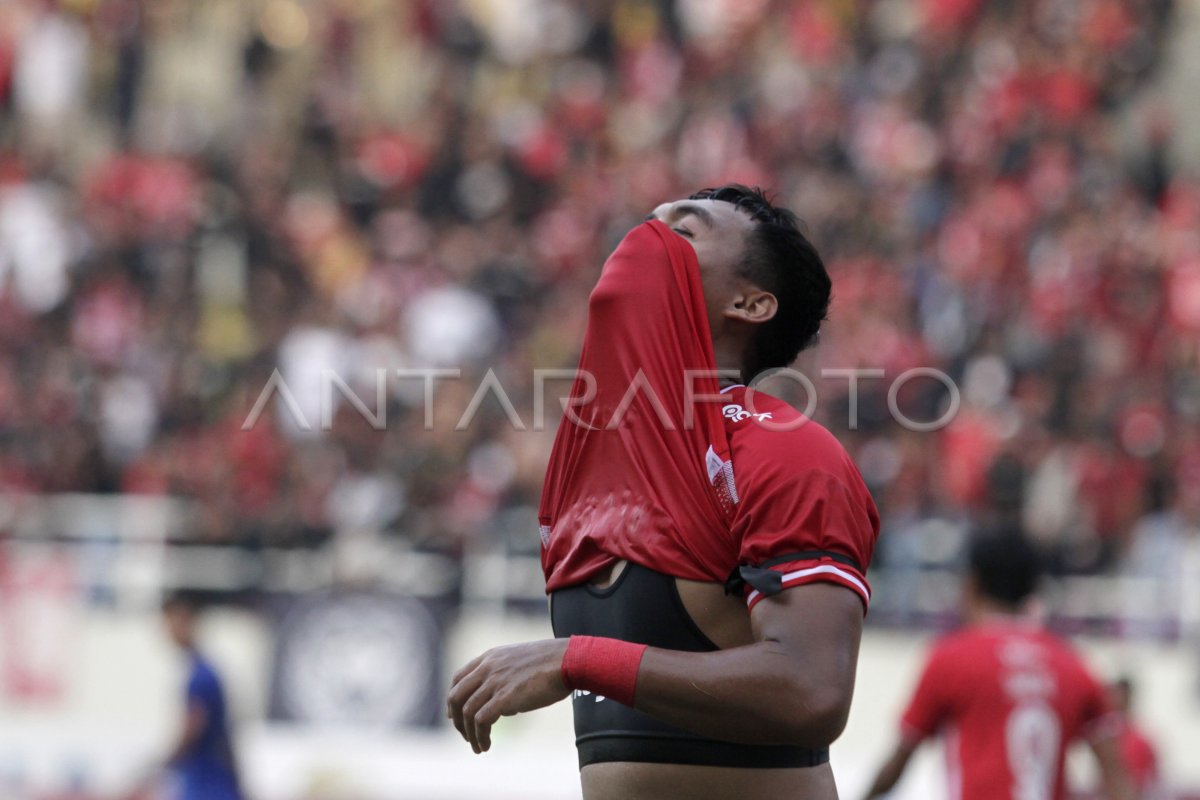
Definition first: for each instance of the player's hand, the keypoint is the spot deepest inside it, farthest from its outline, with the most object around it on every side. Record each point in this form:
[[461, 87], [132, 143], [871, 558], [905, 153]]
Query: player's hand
[[502, 682]]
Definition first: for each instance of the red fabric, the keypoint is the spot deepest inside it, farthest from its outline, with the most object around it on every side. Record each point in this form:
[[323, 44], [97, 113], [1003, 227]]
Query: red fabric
[[390, 159], [631, 490], [772, 484], [798, 492], [1010, 699], [607, 667], [134, 194], [1138, 754], [1183, 295], [948, 16], [968, 448]]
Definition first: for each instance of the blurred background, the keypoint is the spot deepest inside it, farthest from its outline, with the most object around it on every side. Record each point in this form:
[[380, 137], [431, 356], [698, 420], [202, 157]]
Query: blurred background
[[208, 207]]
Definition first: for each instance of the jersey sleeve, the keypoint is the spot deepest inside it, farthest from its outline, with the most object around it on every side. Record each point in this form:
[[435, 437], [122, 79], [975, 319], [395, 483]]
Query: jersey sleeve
[[930, 704], [809, 522]]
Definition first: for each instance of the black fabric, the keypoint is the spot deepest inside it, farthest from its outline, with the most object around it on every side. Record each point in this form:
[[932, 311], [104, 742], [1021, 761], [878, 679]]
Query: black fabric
[[809, 555], [769, 581], [644, 606]]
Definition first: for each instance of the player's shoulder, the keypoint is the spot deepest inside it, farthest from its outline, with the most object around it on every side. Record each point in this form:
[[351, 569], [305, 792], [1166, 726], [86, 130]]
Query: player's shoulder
[[770, 429], [1063, 652], [1080, 684], [202, 673], [955, 657]]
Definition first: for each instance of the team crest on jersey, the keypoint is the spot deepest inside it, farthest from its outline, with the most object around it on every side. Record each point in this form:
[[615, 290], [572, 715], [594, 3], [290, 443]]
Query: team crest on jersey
[[737, 413]]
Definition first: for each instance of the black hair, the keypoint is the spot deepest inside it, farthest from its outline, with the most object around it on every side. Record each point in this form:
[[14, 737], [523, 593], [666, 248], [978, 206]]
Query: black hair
[[782, 261], [1006, 566]]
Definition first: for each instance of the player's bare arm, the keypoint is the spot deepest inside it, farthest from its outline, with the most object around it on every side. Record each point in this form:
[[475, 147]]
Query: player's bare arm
[[892, 770], [1114, 776], [792, 686], [194, 721]]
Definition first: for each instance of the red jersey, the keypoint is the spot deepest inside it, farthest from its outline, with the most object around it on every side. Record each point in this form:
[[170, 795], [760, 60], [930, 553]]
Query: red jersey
[[1009, 698], [654, 465]]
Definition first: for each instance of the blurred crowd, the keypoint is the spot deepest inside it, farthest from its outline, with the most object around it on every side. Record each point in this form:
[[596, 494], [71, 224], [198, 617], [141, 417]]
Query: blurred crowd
[[197, 193]]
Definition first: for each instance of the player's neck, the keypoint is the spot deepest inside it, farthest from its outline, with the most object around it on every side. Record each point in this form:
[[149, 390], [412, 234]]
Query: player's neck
[[728, 358]]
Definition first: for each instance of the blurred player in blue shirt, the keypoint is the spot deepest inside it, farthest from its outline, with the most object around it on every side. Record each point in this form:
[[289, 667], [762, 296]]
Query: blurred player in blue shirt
[[202, 758]]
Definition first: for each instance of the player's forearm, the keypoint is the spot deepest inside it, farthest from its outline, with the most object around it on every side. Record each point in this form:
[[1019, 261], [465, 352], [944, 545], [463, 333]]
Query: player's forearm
[[890, 772], [1117, 783], [757, 694], [1118, 786], [193, 726]]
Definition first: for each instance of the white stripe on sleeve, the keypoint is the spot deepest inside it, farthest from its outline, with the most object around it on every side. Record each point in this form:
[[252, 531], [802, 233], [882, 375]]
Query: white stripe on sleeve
[[818, 570]]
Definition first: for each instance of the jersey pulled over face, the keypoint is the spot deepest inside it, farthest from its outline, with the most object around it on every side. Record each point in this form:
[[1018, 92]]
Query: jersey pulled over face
[[655, 465], [1010, 699]]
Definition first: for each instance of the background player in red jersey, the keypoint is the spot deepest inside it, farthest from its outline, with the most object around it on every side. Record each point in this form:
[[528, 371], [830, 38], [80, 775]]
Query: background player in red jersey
[[705, 546], [1008, 696]]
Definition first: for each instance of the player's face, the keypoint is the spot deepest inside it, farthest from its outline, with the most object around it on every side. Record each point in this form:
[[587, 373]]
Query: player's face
[[718, 232]]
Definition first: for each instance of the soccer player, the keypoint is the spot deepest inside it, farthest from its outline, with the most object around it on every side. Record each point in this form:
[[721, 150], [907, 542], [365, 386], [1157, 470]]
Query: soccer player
[[202, 758], [704, 545], [1008, 696]]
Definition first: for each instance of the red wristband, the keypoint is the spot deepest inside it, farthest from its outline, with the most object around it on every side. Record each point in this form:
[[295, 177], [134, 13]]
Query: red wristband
[[607, 667]]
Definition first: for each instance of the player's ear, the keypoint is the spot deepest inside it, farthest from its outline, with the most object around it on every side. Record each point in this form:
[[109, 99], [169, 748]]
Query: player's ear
[[752, 305]]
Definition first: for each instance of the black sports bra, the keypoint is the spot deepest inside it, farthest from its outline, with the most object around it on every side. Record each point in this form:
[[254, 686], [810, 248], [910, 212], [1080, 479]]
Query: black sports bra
[[644, 606]]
